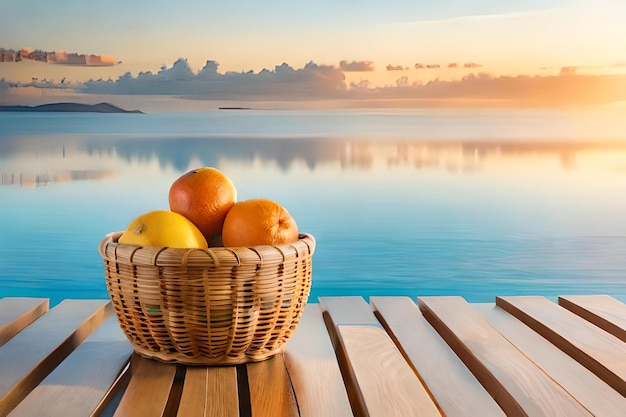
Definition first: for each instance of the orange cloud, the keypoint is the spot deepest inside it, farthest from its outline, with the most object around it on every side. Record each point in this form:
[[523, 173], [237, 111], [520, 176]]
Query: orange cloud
[[395, 68], [90, 60], [568, 71], [427, 66], [519, 90], [356, 66], [56, 57]]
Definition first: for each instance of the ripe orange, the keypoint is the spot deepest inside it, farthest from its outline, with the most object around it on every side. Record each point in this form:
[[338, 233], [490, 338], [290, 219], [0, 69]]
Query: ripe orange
[[204, 196], [258, 222]]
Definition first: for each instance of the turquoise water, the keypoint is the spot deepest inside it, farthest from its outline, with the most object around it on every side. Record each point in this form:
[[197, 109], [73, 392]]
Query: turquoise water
[[476, 203]]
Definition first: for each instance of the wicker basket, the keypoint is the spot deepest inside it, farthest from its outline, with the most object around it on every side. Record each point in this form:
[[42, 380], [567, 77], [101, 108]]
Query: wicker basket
[[208, 307]]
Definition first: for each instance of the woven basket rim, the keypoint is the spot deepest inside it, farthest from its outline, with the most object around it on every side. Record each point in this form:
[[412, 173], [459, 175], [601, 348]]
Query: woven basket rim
[[111, 250]]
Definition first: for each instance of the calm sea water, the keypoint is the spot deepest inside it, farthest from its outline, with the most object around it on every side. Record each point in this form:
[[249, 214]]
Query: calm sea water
[[476, 203]]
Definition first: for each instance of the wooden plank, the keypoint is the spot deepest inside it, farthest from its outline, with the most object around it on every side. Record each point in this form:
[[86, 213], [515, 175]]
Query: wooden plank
[[34, 352], [455, 388], [349, 310], [517, 384], [587, 388], [601, 352], [271, 394], [313, 368], [209, 391], [604, 311], [112, 398], [17, 313], [381, 382], [388, 384], [78, 385], [149, 389]]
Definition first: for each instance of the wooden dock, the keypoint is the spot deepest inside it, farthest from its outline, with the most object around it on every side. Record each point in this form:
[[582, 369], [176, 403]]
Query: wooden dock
[[393, 356]]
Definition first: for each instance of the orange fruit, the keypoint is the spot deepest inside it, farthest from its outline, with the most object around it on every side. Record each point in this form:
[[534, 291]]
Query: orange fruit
[[258, 222], [204, 196], [163, 228]]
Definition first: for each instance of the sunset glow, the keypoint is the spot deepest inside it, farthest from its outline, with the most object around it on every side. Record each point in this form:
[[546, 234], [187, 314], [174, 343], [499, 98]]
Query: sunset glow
[[369, 45]]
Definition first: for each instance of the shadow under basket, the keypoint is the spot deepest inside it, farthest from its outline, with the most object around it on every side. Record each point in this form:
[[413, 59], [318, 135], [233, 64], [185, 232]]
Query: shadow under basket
[[216, 306]]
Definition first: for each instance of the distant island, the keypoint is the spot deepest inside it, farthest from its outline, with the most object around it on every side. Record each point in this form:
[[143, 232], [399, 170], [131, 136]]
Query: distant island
[[70, 107]]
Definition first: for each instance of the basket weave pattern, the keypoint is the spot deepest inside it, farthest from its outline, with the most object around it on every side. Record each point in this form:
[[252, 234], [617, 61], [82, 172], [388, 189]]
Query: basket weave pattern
[[214, 306]]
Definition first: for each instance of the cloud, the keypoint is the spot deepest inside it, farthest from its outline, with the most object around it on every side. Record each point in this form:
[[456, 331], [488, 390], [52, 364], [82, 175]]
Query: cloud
[[396, 68], [577, 69], [57, 57], [356, 66], [477, 17], [426, 66], [450, 65], [312, 81], [65, 58], [568, 71], [402, 81], [519, 90]]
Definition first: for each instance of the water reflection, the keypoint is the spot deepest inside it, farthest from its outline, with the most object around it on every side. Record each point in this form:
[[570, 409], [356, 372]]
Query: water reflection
[[27, 180], [37, 161], [411, 217]]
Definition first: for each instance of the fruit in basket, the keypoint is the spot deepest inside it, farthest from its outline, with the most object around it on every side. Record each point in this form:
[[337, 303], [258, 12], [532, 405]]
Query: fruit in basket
[[204, 196], [163, 228], [258, 222]]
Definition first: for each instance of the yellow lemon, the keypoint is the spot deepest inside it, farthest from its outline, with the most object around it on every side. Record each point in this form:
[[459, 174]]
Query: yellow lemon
[[163, 228]]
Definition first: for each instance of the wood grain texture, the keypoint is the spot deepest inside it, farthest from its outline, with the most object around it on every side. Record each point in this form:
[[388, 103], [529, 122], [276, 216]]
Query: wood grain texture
[[209, 391], [17, 313], [388, 385], [517, 384], [313, 368], [600, 352], [587, 388], [78, 385], [149, 389], [34, 352], [604, 311], [387, 361], [454, 387], [271, 394], [349, 310], [372, 389]]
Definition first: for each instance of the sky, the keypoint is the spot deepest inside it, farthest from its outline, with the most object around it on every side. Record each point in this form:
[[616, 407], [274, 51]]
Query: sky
[[369, 43]]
